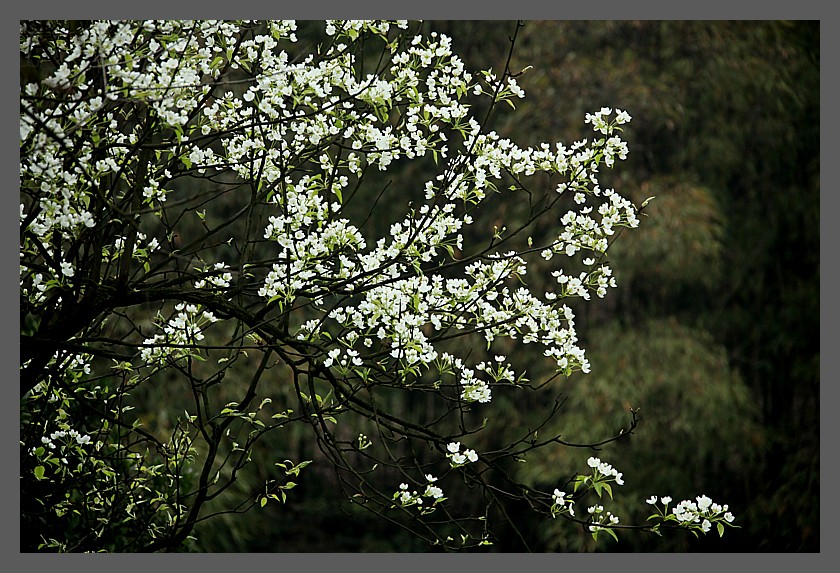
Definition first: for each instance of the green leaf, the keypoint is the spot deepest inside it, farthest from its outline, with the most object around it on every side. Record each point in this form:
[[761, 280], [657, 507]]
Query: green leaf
[[612, 534], [263, 501], [720, 529], [39, 472], [381, 113]]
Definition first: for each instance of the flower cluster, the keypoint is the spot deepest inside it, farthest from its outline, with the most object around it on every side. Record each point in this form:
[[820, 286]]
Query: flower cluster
[[604, 470], [600, 123], [153, 62], [600, 520], [351, 357], [215, 278], [473, 389], [407, 498], [59, 449], [498, 370], [582, 231], [81, 439], [699, 514], [601, 478], [180, 334], [559, 504], [319, 248], [459, 458]]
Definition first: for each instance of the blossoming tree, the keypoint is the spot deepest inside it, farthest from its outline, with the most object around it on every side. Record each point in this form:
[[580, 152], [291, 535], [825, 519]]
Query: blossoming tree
[[199, 215]]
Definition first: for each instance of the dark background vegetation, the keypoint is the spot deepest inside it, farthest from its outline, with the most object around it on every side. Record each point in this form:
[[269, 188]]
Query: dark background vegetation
[[713, 331]]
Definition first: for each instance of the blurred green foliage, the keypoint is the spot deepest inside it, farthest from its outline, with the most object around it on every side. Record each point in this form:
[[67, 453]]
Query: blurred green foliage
[[698, 425], [725, 135]]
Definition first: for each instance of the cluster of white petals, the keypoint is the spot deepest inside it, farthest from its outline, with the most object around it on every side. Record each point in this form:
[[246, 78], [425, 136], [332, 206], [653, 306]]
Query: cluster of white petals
[[700, 512], [182, 331], [457, 457], [81, 439], [408, 498], [605, 469]]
